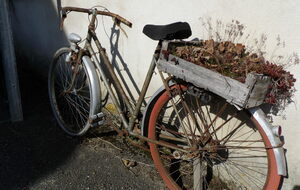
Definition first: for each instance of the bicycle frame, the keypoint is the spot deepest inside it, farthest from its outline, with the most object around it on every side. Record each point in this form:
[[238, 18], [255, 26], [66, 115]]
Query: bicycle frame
[[134, 110], [117, 84], [129, 121]]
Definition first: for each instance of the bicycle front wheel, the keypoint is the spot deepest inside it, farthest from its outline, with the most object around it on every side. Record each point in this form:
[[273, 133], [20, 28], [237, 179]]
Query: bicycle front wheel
[[227, 148], [73, 105]]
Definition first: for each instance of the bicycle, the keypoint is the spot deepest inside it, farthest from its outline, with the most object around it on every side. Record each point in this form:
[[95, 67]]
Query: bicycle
[[197, 140]]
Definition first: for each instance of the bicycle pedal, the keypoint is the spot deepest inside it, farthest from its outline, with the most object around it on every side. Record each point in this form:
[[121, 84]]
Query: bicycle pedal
[[97, 116], [97, 120], [99, 123]]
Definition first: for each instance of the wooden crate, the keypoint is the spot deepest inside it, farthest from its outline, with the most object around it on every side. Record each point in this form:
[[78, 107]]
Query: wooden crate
[[249, 94]]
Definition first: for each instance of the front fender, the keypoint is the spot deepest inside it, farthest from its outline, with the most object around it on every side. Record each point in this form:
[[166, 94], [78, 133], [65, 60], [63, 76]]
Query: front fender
[[95, 84]]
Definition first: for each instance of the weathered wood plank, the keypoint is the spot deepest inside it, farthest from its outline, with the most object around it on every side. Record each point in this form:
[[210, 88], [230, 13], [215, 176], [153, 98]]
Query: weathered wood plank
[[230, 89], [259, 84], [249, 94]]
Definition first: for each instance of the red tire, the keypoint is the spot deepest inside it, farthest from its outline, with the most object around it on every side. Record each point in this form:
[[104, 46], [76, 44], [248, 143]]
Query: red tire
[[254, 169]]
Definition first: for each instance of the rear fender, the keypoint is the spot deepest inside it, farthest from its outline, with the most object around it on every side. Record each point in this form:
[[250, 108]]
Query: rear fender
[[147, 112], [256, 112], [275, 141]]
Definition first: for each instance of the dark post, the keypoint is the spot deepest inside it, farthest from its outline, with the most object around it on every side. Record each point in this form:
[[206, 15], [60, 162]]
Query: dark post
[[8, 60]]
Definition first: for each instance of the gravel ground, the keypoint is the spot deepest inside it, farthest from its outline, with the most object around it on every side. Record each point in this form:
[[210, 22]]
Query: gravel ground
[[35, 154]]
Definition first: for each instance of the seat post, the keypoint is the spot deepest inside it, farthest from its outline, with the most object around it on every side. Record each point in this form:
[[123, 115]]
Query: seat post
[[157, 50]]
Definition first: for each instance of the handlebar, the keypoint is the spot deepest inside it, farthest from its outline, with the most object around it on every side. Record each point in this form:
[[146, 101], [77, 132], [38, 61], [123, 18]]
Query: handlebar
[[118, 18]]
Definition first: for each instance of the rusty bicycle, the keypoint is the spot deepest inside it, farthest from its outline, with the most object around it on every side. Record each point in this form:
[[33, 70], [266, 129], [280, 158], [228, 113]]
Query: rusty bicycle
[[197, 139]]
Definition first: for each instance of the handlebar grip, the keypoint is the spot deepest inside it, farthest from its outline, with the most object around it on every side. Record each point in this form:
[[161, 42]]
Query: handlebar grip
[[124, 21]]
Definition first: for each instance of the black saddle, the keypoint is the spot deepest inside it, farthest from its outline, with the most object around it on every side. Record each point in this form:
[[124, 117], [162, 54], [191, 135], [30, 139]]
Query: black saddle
[[178, 30]]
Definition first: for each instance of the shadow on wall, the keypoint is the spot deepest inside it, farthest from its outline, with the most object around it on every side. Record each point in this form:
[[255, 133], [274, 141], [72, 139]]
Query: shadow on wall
[[32, 149], [36, 33], [118, 62], [296, 187]]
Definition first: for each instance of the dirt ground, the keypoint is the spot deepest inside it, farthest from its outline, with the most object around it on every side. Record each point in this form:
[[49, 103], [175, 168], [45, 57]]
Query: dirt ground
[[36, 154]]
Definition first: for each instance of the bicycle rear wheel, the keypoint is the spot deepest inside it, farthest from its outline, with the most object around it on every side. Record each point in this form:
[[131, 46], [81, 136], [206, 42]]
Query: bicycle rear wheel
[[73, 107], [228, 148]]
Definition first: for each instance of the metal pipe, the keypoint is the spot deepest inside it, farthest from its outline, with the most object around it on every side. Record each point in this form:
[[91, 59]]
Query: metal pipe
[[174, 147], [142, 95], [172, 138], [92, 22], [145, 86], [174, 107], [110, 91]]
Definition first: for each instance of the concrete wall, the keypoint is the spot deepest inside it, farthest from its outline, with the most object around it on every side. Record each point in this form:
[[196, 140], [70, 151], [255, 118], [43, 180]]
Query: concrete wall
[[273, 18]]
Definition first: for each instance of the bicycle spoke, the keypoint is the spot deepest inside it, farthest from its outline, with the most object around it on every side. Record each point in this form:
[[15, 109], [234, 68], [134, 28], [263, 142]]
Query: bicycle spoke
[[234, 154], [74, 114], [77, 106], [71, 104]]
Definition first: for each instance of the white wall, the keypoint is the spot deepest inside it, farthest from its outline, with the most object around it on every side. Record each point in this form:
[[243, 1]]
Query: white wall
[[272, 17]]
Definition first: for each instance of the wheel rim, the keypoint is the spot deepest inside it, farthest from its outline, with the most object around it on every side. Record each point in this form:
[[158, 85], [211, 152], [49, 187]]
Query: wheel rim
[[71, 105], [227, 161]]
